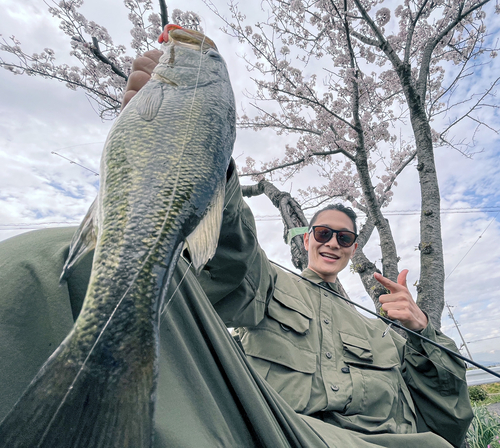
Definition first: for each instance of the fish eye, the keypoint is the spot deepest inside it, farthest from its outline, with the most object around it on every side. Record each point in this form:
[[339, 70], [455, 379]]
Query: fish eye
[[211, 53]]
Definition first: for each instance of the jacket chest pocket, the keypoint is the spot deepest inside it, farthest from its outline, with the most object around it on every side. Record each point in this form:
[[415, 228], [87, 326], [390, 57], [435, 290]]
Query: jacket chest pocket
[[290, 312], [279, 348], [376, 381]]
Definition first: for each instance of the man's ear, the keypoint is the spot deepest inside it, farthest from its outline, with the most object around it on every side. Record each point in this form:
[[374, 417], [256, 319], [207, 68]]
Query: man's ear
[[354, 251], [306, 241]]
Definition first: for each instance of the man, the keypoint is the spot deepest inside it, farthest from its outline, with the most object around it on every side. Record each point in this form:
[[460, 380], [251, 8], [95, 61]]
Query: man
[[340, 383]]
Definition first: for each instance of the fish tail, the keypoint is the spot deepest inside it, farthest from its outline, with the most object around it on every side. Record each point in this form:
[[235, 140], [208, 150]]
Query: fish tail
[[66, 406]]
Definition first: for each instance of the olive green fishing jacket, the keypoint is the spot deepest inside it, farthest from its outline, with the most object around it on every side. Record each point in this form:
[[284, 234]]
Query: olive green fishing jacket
[[321, 355], [329, 363]]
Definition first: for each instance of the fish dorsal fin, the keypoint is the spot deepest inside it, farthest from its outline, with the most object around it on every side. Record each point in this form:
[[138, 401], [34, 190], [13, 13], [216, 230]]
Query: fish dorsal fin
[[149, 100], [84, 240], [202, 242]]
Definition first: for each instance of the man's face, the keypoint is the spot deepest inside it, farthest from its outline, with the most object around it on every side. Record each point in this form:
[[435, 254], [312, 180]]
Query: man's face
[[328, 259]]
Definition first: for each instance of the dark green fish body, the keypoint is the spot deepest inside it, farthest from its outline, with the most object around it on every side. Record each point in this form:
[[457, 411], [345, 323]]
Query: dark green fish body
[[162, 184]]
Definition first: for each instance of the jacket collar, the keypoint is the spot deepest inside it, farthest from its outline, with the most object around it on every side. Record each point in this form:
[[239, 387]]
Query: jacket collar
[[313, 276]]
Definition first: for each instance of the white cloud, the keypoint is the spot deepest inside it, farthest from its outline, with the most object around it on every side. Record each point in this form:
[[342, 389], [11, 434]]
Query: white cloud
[[37, 188]]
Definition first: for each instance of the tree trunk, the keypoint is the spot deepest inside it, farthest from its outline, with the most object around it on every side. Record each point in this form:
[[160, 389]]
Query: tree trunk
[[365, 268], [430, 289], [387, 244]]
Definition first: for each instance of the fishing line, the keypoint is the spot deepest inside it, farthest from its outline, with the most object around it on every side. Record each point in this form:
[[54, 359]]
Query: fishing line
[[395, 324], [151, 251], [351, 309], [231, 197], [164, 310], [110, 318]]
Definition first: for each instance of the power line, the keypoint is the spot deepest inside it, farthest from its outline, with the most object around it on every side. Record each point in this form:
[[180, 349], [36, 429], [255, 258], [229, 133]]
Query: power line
[[493, 209], [475, 242], [278, 217], [484, 339], [453, 270]]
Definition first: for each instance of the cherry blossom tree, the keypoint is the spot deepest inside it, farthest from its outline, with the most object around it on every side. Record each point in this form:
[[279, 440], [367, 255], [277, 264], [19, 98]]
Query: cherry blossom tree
[[101, 67], [360, 82]]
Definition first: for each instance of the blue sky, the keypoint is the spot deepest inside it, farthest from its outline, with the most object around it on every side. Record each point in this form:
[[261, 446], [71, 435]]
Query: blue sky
[[40, 189]]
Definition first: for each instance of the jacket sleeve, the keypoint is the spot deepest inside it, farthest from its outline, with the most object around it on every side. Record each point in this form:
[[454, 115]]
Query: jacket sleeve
[[437, 383], [239, 279], [36, 313]]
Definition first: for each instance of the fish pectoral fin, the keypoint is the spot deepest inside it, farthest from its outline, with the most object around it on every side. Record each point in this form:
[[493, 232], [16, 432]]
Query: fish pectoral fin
[[149, 100], [202, 242], [84, 240]]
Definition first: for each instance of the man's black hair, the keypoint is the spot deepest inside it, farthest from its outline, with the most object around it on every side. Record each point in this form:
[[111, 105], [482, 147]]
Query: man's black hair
[[339, 207]]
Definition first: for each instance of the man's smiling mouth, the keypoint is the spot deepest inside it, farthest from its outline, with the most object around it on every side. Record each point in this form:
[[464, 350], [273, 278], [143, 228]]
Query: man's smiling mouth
[[329, 256]]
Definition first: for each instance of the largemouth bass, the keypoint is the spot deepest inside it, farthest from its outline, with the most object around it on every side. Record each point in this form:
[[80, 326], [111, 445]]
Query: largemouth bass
[[163, 173]]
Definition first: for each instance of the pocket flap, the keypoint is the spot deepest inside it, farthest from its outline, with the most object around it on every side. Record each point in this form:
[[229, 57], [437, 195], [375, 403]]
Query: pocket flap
[[357, 347], [294, 303], [358, 350], [290, 311], [265, 344]]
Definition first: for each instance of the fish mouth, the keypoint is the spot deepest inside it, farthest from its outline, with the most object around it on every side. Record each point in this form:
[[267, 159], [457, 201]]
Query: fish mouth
[[187, 38]]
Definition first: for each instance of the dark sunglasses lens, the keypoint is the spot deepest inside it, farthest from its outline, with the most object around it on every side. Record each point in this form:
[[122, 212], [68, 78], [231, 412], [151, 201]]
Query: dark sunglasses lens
[[346, 239], [322, 234]]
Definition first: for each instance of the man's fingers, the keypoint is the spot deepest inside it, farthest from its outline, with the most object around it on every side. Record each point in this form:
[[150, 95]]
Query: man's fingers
[[143, 64], [142, 67], [147, 62], [136, 81], [402, 278], [154, 55], [129, 94], [399, 304], [389, 284]]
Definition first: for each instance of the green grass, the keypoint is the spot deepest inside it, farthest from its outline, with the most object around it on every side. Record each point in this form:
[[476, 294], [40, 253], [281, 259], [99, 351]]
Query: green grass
[[493, 394], [484, 429]]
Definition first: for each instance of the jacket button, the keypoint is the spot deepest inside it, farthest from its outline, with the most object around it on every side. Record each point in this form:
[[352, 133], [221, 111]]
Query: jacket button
[[345, 370], [328, 355], [284, 327], [326, 321], [334, 387]]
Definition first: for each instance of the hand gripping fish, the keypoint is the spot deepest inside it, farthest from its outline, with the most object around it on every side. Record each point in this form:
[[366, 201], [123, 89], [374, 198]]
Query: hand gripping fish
[[163, 173]]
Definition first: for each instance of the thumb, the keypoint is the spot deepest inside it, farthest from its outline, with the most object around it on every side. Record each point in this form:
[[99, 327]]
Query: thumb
[[402, 278]]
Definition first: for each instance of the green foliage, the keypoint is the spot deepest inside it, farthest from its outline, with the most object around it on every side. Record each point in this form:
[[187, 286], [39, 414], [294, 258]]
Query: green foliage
[[484, 430], [477, 393], [495, 443], [492, 391], [492, 388]]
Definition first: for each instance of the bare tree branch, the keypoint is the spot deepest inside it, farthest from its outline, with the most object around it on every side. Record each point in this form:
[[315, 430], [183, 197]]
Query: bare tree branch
[[163, 13], [291, 214], [400, 170], [298, 162], [98, 54]]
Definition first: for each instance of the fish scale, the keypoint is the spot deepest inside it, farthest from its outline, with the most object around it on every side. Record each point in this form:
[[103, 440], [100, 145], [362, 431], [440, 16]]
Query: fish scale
[[162, 185]]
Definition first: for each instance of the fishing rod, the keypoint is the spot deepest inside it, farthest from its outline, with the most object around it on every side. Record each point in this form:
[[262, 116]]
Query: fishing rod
[[392, 323]]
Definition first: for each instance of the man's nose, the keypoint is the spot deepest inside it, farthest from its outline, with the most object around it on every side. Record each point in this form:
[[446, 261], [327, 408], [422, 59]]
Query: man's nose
[[333, 243]]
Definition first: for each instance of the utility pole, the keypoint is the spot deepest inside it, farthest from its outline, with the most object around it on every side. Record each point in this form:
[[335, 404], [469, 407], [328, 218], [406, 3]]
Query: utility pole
[[459, 332]]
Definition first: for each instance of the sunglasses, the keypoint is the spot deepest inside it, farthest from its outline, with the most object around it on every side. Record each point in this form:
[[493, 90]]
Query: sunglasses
[[323, 234]]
